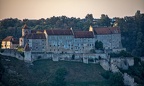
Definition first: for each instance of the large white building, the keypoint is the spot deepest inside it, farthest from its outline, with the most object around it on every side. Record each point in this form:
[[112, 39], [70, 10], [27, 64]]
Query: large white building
[[109, 36], [42, 43]]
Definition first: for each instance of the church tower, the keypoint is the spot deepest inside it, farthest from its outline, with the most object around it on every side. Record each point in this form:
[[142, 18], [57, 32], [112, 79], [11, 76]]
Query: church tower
[[25, 30]]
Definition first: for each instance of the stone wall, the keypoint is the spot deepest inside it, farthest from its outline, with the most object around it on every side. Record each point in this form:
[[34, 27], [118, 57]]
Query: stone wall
[[105, 64], [68, 56], [12, 53], [105, 39], [128, 80]]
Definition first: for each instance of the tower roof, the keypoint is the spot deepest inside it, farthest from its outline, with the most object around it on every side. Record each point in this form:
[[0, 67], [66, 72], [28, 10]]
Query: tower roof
[[25, 27], [83, 34], [36, 36], [26, 48]]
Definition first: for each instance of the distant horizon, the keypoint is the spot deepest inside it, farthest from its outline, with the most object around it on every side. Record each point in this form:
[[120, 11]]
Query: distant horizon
[[37, 9], [70, 17]]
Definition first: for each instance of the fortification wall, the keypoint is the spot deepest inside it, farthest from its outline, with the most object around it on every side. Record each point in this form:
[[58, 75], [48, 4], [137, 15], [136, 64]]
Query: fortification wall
[[12, 53]]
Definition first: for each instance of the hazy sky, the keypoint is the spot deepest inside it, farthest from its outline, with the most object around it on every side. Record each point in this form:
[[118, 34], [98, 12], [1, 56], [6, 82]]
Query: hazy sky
[[36, 9]]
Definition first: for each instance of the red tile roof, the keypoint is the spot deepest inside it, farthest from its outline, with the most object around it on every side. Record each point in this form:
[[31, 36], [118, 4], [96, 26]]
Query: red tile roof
[[106, 30], [26, 48], [36, 36], [59, 32], [83, 34], [37, 31], [8, 38], [11, 39], [15, 42]]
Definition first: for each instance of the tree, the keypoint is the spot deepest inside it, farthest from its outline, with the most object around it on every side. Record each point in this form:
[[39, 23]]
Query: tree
[[60, 77], [116, 79], [1, 68], [89, 18], [98, 45], [73, 57], [104, 20]]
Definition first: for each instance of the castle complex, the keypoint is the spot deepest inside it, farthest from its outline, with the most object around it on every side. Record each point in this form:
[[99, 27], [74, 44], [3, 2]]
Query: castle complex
[[44, 43], [66, 44]]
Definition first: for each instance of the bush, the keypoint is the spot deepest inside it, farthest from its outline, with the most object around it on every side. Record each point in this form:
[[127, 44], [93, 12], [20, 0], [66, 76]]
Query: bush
[[116, 79], [1, 50], [136, 60], [73, 57], [121, 54], [106, 74], [60, 77]]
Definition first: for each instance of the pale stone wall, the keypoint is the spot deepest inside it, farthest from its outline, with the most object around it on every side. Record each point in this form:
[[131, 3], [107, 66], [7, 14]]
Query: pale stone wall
[[68, 56], [12, 53], [122, 62], [118, 49], [106, 40], [116, 41], [105, 64], [128, 80], [83, 45], [27, 55], [110, 41], [37, 45], [3, 45], [60, 44], [6, 45]]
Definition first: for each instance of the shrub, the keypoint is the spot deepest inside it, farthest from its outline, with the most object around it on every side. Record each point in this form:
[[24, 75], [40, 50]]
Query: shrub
[[106, 74]]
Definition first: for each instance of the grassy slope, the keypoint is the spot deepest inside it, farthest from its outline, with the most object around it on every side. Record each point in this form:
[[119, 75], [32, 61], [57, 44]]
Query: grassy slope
[[79, 74]]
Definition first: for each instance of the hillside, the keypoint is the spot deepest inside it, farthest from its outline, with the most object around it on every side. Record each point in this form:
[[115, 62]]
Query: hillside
[[43, 71]]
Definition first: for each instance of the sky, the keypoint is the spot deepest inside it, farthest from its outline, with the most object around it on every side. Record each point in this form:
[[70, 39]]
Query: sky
[[36, 9]]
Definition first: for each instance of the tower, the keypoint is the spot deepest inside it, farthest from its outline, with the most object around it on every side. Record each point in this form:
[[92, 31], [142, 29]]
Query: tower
[[91, 28], [25, 30], [27, 53]]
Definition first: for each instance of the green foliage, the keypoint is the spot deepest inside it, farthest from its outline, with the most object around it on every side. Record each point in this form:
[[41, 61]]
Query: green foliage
[[60, 77], [1, 50], [20, 49], [136, 71], [106, 74], [44, 83], [73, 57], [98, 45], [137, 60], [116, 79], [120, 54], [104, 21], [92, 51], [2, 69]]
